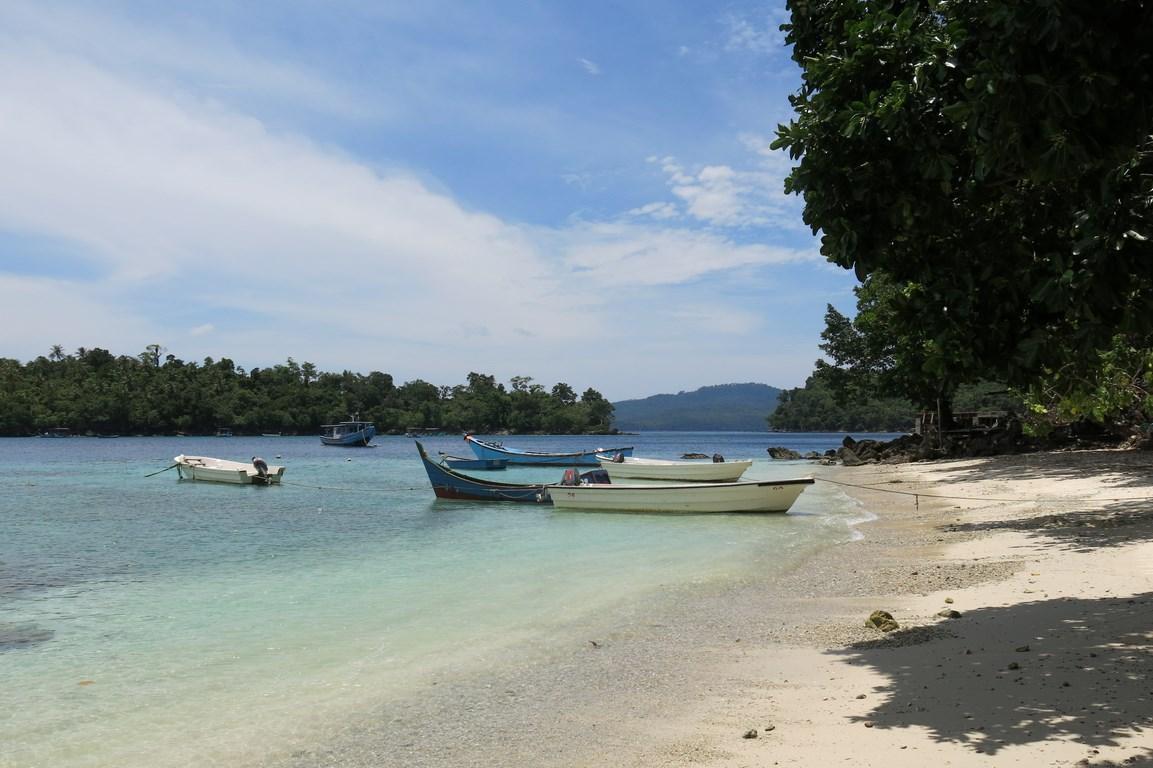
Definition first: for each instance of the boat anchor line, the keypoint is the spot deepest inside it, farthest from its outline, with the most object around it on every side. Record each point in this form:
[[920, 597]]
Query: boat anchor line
[[504, 497], [359, 488], [917, 495]]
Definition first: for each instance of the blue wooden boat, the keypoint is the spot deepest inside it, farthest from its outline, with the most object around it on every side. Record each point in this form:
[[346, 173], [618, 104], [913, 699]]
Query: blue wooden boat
[[448, 484], [473, 465], [486, 450], [350, 433]]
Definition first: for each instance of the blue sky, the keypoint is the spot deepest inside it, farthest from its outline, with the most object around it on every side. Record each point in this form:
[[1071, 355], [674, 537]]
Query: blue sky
[[575, 192]]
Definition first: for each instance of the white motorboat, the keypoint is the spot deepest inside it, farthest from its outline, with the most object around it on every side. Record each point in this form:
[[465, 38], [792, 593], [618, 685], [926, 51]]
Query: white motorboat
[[750, 496], [630, 468], [224, 471]]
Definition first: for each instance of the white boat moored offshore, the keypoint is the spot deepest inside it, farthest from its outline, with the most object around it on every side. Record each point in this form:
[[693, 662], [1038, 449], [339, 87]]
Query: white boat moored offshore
[[630, 468], [224, 471], [751, 496]]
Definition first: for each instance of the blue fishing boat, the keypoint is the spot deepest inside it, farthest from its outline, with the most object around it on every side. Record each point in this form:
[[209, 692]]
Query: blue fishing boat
[[473, 465], [448, 484], [350, 433], [486, 450]]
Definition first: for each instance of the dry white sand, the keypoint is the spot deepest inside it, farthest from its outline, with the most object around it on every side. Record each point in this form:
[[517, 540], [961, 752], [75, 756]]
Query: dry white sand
[[1048, 664]]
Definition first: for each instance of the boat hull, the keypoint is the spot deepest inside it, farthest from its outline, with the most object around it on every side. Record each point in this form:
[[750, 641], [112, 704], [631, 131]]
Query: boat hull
[[486, 450], [208, 469], [766, 496], [675, 471], [450, 485]]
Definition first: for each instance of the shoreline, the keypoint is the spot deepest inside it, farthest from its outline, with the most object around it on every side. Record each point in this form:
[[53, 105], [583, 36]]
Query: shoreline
[[688, 682], [1048, 663]]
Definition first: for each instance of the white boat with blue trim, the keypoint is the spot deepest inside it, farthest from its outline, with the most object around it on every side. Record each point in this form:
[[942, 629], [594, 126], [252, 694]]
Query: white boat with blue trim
[[679, 471], [750, 496]]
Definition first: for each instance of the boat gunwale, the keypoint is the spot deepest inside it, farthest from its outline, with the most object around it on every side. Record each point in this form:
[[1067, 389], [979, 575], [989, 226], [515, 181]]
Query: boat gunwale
[[545, 454]]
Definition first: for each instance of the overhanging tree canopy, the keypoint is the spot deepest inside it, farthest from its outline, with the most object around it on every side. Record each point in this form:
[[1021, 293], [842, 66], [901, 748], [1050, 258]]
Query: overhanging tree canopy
[[993, 157]]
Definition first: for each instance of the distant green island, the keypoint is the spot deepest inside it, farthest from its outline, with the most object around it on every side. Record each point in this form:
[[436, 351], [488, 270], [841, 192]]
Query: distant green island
[[95, 392]]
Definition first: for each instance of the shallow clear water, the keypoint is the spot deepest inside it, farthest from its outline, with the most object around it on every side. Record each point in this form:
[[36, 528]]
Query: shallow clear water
[[148, 621]]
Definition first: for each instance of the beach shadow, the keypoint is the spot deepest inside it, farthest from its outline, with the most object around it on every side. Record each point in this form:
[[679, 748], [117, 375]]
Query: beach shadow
[[1131, 469], [1114, 524], [1067, 669]]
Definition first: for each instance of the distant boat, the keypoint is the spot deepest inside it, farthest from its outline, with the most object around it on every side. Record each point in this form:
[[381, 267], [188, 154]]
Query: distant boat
[[486, 450], [473, 465], [449, 484], [224, 471], [270, 434], [57, 432], [224, 432], [630, 468], [752, 496], [350, 433]]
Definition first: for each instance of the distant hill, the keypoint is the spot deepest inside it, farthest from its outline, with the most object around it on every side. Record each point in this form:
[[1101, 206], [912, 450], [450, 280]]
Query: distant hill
[[732, 407]]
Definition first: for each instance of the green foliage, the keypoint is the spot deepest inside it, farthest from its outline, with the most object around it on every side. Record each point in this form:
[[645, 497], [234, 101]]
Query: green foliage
[[153, 393], [1118, 388], [816, 407], [994, 162], [820, 407]]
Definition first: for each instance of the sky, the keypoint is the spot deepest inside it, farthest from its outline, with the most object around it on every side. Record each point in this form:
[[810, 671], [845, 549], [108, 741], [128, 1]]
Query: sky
[[572, 192]]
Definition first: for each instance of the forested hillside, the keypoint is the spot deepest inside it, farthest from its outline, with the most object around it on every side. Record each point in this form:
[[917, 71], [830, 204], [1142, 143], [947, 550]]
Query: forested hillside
[[93, 391], [728, 407]]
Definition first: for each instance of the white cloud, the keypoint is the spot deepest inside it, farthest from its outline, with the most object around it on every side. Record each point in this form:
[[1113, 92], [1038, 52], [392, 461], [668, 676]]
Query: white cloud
[[590, 66], [189, 55], [622, 254], [723, 196], [759, 35], [659, 211]]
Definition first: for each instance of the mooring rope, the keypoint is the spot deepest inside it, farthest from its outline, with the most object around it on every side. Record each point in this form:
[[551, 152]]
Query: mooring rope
[[356, 489], [921, 494]]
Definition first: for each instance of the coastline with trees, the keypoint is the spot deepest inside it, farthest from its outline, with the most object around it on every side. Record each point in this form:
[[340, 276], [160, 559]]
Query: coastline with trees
[[153, 393]]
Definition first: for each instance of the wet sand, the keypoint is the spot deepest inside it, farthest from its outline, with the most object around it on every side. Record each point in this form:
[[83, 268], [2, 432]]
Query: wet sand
[[1047, 559]]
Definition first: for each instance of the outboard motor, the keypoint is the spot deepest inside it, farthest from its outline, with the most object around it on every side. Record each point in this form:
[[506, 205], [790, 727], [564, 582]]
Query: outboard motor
[[261, 466], [718, 459]]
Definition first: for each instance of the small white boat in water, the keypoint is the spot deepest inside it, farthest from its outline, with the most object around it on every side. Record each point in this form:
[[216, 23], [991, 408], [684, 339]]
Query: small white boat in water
[[224, 471], [630, 468], [750, 496]]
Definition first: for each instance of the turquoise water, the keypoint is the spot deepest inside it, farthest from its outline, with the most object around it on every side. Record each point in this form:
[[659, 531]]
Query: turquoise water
[[148, 621]]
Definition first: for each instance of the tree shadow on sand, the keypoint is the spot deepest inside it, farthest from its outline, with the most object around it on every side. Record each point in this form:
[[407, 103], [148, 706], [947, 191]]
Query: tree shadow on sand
[[1081, 530], [1121, 513], [1064, 669], [1128, 469]]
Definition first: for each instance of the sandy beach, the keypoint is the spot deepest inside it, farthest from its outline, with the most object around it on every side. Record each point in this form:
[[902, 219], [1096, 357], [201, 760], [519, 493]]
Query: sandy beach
[[1046, 560]]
